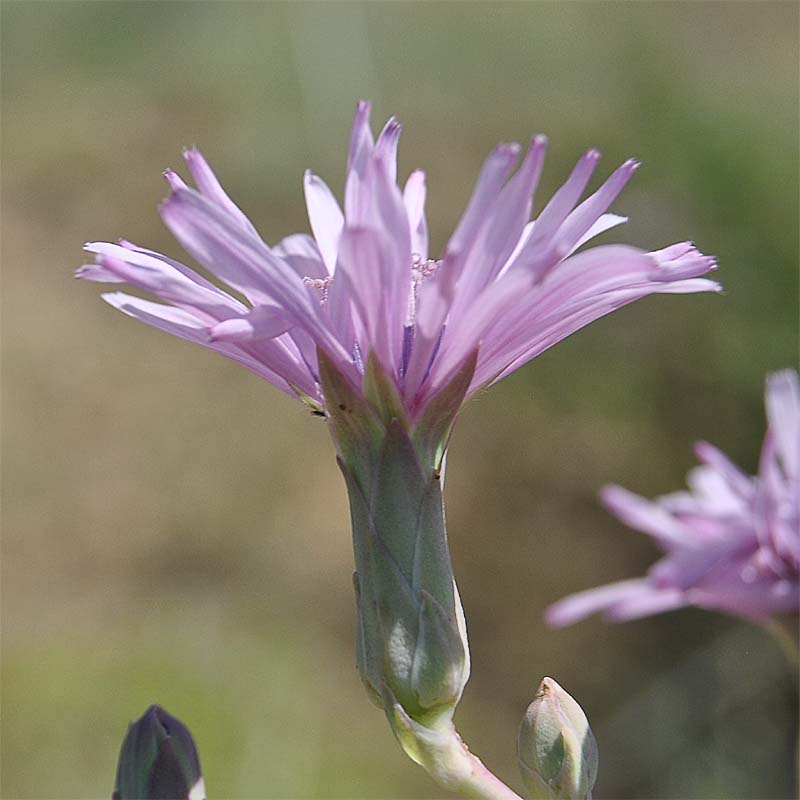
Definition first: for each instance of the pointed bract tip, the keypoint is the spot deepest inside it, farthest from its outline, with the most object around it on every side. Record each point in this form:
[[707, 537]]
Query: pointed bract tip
[[547, 686], [556, 747]]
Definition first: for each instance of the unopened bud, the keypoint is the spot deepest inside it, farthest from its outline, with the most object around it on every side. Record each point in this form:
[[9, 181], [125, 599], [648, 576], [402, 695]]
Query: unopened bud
[[158, 761], [556, 747]]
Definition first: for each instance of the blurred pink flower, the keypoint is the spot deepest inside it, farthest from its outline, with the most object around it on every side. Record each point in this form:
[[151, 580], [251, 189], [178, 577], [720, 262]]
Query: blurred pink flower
[[732, 543], [364, 284]]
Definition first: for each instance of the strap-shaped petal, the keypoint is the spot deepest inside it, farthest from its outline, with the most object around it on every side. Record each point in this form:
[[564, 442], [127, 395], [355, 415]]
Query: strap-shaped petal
[[208, 185], [326, 218]]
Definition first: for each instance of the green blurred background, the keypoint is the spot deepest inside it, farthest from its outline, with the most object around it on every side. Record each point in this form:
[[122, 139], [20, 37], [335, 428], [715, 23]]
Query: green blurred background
[[176, 531]]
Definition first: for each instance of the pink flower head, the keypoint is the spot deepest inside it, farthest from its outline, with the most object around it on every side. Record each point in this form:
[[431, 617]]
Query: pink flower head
[[364, 285], [732, 542]]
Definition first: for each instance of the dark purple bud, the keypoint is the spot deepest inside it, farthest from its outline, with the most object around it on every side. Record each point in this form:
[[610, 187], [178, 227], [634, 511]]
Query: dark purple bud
[[158, 761]]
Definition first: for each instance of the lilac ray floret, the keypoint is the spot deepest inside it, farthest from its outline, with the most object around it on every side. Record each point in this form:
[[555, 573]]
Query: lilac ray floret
[[731, 543], [364, 285], [325, 217]]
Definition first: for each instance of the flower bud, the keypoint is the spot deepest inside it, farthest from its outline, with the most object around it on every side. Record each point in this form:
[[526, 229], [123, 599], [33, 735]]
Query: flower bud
[[158, 761], [556, 747]]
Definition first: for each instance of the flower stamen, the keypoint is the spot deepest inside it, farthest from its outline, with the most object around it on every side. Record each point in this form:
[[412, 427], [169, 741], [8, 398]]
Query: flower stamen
[[420, 272], [321, 284]]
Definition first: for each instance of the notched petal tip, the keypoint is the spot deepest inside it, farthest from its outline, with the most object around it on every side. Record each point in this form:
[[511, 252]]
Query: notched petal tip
[[195, 160], [680, 261], [191, 153], [508, 149], [784, 381], [536, 151], [362, 114], [98, 271], [392, 127], [173, 179]]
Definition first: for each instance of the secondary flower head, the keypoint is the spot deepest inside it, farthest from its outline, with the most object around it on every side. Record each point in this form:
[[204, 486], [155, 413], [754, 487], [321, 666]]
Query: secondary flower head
[[503, 289], [732, 542]]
